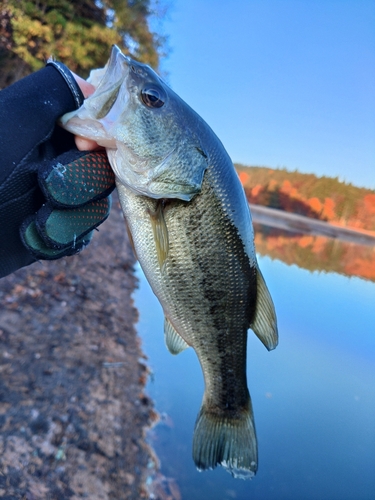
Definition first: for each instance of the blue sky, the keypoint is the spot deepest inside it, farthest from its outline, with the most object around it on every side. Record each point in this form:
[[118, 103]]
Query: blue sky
[[283, 83]]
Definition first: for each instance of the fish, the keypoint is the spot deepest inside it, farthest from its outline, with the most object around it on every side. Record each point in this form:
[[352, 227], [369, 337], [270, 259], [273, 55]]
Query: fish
[[191, 230]]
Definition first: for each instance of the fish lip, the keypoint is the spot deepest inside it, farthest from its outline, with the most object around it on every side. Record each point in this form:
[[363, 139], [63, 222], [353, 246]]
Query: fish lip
[[116, 54], [112, 81]]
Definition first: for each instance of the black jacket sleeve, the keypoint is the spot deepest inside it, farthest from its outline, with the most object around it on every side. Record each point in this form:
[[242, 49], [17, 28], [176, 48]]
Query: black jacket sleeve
[[28, 112], [28, 134]]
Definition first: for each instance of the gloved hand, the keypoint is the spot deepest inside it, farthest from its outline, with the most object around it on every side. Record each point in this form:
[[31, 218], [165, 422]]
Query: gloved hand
[[77, 188], [54, 205], [52, 195]]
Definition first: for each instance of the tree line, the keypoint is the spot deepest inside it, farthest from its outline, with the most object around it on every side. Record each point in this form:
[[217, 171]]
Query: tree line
[[79, 34], [323, 198]]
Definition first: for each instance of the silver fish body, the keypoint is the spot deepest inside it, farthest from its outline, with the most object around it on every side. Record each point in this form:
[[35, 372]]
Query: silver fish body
[[191, 229]]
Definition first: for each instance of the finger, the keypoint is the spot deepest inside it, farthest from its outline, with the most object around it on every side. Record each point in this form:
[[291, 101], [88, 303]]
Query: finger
[[87, 88], [40, 250], [60, 228], [84, 144], [74, 179]]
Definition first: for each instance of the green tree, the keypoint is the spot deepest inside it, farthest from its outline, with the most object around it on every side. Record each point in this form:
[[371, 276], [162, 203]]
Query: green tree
[[79, 33]]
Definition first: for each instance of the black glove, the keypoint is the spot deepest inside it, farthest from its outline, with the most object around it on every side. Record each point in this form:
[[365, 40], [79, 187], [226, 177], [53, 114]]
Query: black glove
[[52, 196], [76, 186], [72, 192]]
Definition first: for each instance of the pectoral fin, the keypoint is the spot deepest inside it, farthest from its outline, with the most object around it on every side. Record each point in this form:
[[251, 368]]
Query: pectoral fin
[[264, 323], [160, 231], [130, 237], [174, 342]]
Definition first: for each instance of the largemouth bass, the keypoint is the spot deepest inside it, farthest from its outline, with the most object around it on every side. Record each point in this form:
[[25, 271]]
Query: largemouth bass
[[191, 229]]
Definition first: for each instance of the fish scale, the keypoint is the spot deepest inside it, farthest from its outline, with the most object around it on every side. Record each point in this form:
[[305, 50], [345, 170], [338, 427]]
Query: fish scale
[[191, 229]]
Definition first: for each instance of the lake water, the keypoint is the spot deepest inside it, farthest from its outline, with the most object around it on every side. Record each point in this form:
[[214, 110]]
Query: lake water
[[313, 397]]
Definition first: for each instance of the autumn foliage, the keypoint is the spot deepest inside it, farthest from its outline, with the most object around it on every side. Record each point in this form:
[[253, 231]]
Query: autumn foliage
[[80, 34], [321, 198]]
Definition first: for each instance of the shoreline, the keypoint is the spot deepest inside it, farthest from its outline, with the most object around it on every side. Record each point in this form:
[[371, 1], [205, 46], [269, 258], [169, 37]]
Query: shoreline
[[291, 222]]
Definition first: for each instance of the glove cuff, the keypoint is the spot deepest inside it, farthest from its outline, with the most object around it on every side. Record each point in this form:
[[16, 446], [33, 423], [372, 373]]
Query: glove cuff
[[70, 81]]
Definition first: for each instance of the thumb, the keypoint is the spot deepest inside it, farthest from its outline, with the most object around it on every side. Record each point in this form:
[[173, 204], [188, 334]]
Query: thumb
[[87, 88]]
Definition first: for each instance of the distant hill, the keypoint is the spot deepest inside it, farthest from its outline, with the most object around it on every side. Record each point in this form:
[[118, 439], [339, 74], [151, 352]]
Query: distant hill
[[322, 198]]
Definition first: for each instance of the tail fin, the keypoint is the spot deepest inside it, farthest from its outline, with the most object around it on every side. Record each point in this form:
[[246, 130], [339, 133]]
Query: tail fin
[[227, 441]]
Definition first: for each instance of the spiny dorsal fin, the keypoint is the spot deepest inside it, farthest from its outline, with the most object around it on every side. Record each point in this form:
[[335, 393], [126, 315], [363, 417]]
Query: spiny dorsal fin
[[174, 342], [264, 323], [160, 231]]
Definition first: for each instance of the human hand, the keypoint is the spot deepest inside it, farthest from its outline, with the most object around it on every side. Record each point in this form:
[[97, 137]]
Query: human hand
[[82, 143], [77, 194], [52, 194], [76, 187]]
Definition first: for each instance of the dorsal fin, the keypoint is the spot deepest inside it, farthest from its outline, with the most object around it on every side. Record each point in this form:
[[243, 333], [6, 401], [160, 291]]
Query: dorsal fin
[[174, 342], [264, 323]]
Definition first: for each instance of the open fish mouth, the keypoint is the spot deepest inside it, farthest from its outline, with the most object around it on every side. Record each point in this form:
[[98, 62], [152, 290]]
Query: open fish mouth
[[102, 110], [110, 97]]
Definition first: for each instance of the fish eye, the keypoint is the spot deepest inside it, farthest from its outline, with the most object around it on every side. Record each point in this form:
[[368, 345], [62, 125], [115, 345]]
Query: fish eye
[[153, 96]]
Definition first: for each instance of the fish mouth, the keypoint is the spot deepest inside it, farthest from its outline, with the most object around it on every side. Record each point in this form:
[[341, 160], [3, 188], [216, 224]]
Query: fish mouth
[[114, 83], [116, 58], [113, 86], [119, 67], [109, 101]]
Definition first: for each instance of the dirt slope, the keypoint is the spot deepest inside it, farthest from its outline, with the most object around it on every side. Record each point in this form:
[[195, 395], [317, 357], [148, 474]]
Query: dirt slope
[[72, 406]]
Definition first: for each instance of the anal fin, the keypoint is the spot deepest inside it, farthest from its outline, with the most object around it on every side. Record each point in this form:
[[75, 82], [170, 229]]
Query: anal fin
[[264, 323], [174, 342]]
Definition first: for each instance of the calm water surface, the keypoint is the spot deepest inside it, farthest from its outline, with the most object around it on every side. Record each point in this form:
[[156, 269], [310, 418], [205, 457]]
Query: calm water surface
[[313, 397]]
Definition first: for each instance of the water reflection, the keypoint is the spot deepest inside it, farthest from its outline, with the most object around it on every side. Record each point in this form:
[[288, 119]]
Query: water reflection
[[313, 397], [295, 212], [316, 252]]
